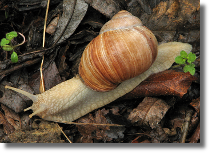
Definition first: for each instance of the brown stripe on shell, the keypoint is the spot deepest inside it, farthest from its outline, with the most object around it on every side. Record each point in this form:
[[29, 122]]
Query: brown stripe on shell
[[151, 39]]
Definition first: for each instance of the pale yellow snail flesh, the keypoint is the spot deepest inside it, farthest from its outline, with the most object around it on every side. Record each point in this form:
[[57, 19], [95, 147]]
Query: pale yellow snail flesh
[[72, 99]]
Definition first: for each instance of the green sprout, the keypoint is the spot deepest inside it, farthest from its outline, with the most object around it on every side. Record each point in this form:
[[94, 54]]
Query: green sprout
[[186, 60], [6, 44]]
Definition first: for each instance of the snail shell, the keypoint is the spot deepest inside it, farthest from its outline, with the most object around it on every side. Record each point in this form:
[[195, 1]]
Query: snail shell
[[123, 49]]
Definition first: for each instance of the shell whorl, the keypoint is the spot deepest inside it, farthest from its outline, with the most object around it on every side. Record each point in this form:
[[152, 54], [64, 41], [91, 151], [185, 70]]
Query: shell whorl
[[121, 20], [123, 50]]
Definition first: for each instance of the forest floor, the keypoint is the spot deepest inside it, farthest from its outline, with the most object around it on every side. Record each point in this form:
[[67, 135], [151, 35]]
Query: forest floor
[[165, 108]]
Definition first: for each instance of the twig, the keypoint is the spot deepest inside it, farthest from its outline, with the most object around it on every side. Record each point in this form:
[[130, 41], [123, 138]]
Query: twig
[[41, 86], [64, 134], [98, 124], [17, 67], [24, 40], [45, 23], [186, 125]]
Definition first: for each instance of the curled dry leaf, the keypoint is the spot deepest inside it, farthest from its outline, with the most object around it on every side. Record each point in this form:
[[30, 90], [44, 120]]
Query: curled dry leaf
[[168, 82], [8, 128], [71, 18], [149, 112], [9, 119], [12, 117]]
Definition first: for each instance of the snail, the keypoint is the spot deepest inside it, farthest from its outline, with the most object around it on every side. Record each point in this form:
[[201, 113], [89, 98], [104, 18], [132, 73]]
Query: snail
[[74, 98]]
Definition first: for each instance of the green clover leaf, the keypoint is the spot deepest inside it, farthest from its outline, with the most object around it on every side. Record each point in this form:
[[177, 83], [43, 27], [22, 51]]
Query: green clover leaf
[[7, 48], [180, 60], [188, 66], [14, 57], [11, 35], [4, 42], [183, 54], [191, 57]]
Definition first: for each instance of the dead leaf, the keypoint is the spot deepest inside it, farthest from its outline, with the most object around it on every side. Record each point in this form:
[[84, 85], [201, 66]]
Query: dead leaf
[[51, 78], [108, 7], [196, 104], [52, 26], [12, 117], [195, 119], [158, 135], [14, 100], [168, 15], [10, 120], [97, 129], [90, 131], [196, 135], [177, 116], [70, 19], [8, 128], [149, 112], [168, 82]]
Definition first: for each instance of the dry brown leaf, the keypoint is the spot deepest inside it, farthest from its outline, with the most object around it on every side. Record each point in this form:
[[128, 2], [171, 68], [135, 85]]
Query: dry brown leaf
[[195, 119], [168, 82], [52, 26], [8, 128], [10, 120], [196, 136], [91, 131], [107, 7], [14, 100], [12, 117], [196, 104], [73, 13], [149, 112]]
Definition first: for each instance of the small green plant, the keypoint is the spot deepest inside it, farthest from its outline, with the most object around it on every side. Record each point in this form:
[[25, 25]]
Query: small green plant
[[6, 44], [186, 60]]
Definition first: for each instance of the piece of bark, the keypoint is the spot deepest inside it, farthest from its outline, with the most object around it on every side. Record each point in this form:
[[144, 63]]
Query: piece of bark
[[149, 112]]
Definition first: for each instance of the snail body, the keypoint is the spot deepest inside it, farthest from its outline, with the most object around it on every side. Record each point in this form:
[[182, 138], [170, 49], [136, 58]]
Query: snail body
[[72, 99]]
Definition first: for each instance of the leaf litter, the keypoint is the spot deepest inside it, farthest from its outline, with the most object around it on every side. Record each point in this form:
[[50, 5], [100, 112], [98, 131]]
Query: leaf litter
[[162, 118]]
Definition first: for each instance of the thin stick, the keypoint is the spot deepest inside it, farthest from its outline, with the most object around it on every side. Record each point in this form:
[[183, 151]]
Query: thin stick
[[97, 124], [186, 125], [45, 22], [24, 40], [64, 134], [41, 86]]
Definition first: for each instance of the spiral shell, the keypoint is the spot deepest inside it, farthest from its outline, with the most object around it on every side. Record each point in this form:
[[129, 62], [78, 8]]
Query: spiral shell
[[123, 49]]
